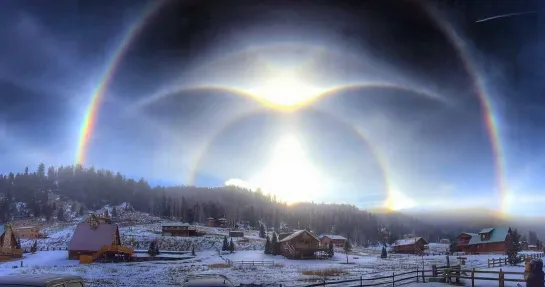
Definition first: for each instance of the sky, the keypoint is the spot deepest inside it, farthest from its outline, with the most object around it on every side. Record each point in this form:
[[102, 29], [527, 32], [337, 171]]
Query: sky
[[425, 105]]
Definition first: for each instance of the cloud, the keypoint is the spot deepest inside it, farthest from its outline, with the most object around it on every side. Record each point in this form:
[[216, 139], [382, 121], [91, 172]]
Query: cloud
[[240, 183]]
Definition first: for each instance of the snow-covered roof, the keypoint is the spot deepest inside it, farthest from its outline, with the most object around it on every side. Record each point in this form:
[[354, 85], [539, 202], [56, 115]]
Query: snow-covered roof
[[407, 241], [297, 233], [498, 234], [334, 237], [486, 230], [175, 224]]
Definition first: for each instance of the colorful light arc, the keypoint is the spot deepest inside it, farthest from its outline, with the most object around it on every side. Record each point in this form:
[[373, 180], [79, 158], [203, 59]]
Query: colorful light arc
[[489, 118]]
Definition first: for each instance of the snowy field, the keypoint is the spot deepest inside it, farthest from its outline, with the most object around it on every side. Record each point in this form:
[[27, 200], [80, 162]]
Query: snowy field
[[362, 262], [285, 271]]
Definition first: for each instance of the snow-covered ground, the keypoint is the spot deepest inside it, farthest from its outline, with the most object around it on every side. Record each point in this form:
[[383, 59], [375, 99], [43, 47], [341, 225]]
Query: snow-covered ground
[[364, 262]]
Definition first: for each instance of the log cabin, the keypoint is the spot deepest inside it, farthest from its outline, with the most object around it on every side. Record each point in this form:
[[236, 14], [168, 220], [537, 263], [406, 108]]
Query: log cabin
[[414, 245], [338, 240], [301, 244], [8, 245], [90, 236], [27, 232], [178, 229], [488, 240]]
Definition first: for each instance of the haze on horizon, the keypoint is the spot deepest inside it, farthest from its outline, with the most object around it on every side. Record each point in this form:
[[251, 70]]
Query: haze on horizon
[[400, 105]]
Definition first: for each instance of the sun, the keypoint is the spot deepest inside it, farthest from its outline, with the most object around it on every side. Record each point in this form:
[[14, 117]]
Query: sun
[[397, 200], [285, 90], [289, 174]]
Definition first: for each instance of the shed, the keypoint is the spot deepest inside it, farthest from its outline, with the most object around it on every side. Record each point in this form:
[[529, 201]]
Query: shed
[[178, 229], [337, 240], [236, 233], [413, 245]]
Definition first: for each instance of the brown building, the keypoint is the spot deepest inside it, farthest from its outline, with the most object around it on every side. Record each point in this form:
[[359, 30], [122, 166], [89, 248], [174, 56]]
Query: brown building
[[90, 236], [414, 245], [178, 229], [8, 244], [284, 235], [301, 244], [212, 222], [236, 233], [27, 232], [488, 240], [338, 240]]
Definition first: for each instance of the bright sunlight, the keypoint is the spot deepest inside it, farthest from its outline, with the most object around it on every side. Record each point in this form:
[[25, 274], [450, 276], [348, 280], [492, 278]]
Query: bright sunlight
[[285, 90], [289, 175]]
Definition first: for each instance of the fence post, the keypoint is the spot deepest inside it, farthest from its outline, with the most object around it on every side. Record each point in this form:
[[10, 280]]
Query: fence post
[[417, 281], [488, 261], [361, 281], [473, 277], [501, 275], [434, 270], [423, 278], [393, 279], [505, 261]]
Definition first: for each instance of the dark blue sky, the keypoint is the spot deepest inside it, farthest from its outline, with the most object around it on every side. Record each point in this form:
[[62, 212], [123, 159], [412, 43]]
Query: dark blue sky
[[418, 135]]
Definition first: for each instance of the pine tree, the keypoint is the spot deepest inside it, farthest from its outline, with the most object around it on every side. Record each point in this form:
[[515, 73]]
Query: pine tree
[[225, 246], [268, 246], [153, 249], [347, 247], [384, 253], [331, 250], [453, 247], [231, 246], [81, 213], [34, 247], [114, 212], [193, 251], [274, 243], [18, 245], [513, 247], [60, 214], [261, 231]]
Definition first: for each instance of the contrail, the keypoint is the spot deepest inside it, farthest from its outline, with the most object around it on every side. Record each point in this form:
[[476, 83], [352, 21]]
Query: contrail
[[505, 15]]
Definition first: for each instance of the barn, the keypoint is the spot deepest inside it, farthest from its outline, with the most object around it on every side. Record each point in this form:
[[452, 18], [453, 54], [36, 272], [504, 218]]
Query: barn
[[338, 240], [488, 240], [414, 245], [90, 236]]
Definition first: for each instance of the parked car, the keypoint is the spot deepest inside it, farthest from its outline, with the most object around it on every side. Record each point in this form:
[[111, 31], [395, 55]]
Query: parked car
[[41, 280], [207, 280]]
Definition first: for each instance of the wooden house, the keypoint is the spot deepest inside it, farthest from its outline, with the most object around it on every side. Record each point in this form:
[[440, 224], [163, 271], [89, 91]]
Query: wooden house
[[178, 229], [27, 232], [236, 233], [337, 240], [93, 238], [300, 245], [413, 245], [283, 235], [488, 240], [8, 245]]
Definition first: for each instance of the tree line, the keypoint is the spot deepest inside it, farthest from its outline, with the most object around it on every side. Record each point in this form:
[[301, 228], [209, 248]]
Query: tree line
[[93, 188]]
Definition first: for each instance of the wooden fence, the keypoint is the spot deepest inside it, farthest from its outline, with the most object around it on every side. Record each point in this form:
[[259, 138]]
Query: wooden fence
[[250, 263], [454, 276], [499, 262], [394, 279]]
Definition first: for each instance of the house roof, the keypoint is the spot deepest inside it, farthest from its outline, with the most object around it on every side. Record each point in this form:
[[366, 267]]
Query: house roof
[[498, 234], [297, 233], [334, 237], [89, 239], [469, 233], [408, 241], [174, 224], [486, 230]]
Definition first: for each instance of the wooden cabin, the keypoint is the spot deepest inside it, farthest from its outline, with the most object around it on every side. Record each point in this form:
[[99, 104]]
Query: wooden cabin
[[236, 233], [414, 245], [488, 240], [8, 245], [300, 245], [90, 236], [212, 222], [27, 232], [338, 240], [178, 229]]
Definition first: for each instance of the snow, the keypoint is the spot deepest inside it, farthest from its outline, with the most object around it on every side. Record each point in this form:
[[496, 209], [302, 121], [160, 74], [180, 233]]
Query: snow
[[406, 241], [334, 237]]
